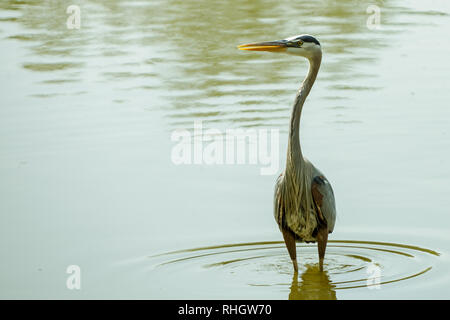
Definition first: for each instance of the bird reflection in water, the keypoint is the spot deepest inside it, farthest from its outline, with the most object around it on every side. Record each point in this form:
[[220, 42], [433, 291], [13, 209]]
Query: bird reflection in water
[[314, 285]]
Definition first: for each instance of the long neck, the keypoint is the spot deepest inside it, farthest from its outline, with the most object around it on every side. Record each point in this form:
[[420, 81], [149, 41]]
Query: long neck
[[295, 156]]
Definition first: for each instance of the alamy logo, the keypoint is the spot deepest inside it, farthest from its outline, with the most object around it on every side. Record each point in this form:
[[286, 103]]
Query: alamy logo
[[234, 146], [374, 20], [73, 281], [374, 279], [74, 20]]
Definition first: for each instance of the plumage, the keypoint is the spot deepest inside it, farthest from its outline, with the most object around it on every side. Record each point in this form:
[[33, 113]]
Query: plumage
[[304, 204]]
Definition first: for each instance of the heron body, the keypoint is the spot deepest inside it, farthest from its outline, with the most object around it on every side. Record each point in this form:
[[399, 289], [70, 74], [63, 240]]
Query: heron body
[[304, 205]]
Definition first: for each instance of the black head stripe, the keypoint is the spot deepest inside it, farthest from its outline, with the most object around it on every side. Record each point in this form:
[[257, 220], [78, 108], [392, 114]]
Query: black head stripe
[[307, 38]]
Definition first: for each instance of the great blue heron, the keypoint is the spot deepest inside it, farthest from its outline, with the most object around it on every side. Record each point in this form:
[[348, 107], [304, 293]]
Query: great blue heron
[[304, 201]]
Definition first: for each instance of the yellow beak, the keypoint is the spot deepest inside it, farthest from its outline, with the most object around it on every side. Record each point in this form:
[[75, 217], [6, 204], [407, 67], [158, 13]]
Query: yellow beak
[[273, 46]]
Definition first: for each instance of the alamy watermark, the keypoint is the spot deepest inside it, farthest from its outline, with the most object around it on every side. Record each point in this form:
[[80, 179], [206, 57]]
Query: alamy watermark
[[74, 19], [232, 146], [374, 19], [73, 281], [374, 279]]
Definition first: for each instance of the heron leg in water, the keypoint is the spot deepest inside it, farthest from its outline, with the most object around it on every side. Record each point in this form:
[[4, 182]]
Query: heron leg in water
[[289, 239], [322, 238]]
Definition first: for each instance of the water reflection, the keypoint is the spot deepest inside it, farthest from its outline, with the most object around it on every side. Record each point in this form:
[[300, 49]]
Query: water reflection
[[257, 90], [181, 56], [348, 266], [314, 285]]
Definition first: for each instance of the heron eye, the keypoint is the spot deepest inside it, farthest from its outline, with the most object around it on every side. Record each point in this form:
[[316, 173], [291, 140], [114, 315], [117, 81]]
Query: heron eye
[[300, 43]]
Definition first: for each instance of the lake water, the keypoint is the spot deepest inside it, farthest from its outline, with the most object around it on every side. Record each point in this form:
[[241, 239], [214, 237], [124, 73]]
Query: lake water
[[87, 176]]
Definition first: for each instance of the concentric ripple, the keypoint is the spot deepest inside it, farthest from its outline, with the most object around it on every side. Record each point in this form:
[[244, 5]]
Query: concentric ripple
[[348, 264]]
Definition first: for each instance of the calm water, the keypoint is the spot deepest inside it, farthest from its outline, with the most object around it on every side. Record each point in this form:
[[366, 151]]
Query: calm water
[[86, 176]]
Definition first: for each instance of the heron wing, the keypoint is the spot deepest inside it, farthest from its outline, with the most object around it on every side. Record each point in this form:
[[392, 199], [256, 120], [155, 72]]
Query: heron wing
[[278, 210], [324, 201]]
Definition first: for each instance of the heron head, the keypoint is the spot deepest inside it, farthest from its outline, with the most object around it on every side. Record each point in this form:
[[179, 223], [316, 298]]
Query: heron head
[[302, 45]]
